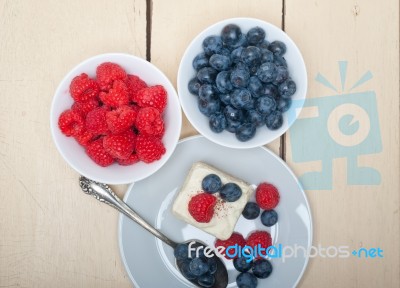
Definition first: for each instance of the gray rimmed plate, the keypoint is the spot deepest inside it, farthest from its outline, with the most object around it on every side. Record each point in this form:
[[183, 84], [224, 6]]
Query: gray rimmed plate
[[150, 263]]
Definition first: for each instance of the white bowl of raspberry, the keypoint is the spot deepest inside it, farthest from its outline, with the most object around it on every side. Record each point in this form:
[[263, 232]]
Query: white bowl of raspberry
[[242, 82], [115, 118]]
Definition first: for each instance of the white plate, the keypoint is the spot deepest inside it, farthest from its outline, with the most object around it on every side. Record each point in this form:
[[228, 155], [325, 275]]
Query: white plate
[[150, 263]]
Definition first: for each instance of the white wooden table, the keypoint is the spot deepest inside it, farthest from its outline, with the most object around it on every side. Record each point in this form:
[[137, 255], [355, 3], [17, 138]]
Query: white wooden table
[[51, 235]]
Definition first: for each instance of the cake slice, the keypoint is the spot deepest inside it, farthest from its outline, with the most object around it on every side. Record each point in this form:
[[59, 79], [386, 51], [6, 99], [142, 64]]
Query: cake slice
[[225, 215]]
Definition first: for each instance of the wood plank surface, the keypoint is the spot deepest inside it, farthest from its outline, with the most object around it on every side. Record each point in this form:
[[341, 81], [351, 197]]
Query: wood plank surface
[[51, 234], [366, 35], [175, 26]]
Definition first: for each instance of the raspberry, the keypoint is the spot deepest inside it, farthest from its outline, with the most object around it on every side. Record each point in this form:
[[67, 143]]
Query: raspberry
[[154, 96], [98, 154], [121, 119], [149, 148], [71, 123], [84, 138], [267, 196], [259, 237], [201, 207], [132, 159], [116, 96], [107, 73], [150, 122], [121, 145], [236, 238], [134, 84], [82, 88], [85, 107], [96, 121]]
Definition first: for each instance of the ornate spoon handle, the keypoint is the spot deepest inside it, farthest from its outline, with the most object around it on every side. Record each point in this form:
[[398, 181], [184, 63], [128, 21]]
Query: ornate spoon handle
[[103, 193]]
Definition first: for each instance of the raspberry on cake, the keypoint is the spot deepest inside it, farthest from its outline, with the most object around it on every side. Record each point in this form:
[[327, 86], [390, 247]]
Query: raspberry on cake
[[225, 215], [201, 207]]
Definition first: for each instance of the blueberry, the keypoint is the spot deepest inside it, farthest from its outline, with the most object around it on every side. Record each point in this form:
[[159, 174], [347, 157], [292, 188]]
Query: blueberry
[[232, 126], [265, 105], [207, 92], [263, 46], [246, 280], [230, 192], [282, 74], [241, 65], [181, 251], [235, 54], [225, 98], [220, 62], [274, 120], [223, 82], [212, 264], [267, 56], [287, 88], [231, 34], [253, 70], [241, 99], [280, 61], [251, 56], [198, 253], [212, 44], [262, 268], [225, 51], [233, 114], [217, 122], [269, 218], [240, 76], [255, 86], [207, 75], [211, 183], [198, 266], [283, 104], [209, 107], [255, 118], [241, 43], [271, 91], [206, 280], [185, 269], [242, 265], [200, 61], [251, 211], [194, 86], [245, 132], [255, 35], [277, 47], [266, 72]]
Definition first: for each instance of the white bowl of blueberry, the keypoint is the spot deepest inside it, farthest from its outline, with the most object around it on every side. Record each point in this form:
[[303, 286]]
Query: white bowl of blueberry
[[242, 82]]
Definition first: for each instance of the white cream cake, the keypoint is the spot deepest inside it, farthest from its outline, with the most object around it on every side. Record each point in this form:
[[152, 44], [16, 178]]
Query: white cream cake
[[226, 214]]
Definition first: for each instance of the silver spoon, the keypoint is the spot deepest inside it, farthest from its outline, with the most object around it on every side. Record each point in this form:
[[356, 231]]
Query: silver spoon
[[104, 193]]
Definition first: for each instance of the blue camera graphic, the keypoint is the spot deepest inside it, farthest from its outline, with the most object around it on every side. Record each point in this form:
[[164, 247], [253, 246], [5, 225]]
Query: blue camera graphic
[[345, 126]]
